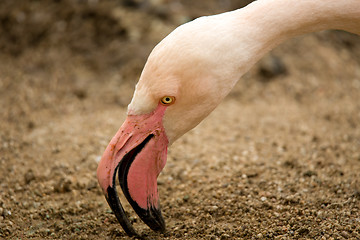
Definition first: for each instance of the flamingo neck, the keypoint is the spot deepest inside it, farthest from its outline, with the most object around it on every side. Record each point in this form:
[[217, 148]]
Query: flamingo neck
[[267, 23]]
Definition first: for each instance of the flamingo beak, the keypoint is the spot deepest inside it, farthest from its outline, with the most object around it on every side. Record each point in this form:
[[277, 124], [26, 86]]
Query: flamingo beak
[[137, 153]]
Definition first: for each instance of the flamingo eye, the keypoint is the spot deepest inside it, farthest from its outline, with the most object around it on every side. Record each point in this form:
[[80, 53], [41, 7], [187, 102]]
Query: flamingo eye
[[167, 100]]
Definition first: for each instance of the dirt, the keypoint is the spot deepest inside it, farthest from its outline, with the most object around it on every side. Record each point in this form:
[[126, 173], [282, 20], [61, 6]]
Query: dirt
[[278, 159]]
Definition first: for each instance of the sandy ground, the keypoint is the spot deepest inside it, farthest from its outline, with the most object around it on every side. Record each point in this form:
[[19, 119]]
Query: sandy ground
[[278, 159]]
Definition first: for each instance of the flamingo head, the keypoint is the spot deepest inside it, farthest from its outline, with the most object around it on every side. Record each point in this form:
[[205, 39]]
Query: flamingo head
[[179, 86]]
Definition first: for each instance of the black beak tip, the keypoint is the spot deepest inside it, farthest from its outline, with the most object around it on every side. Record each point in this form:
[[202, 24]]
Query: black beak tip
[[151, 217], [116, 207], [155, 220]]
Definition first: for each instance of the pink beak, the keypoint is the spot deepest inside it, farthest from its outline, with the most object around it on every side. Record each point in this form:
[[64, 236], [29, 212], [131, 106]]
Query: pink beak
[[138, 153]]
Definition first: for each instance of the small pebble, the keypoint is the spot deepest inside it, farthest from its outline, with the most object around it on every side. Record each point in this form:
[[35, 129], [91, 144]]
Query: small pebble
[[64, 185], [29, 176], [186, 198], [212, 209], [271, 66], [6, 213], [224, 236], [345, 234]]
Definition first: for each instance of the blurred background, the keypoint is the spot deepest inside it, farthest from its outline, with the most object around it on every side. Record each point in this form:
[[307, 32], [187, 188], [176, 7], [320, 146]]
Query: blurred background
[[67, 72]]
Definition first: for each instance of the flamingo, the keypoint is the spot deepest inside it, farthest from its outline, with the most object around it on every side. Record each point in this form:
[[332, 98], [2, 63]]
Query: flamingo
[[186, 76]]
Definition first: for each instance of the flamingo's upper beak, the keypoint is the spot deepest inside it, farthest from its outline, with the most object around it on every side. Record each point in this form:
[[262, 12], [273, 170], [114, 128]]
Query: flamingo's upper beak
[[138, 154]]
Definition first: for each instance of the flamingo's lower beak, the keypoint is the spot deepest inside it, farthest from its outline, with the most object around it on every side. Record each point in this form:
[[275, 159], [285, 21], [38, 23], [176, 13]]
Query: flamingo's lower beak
[[138, 154]]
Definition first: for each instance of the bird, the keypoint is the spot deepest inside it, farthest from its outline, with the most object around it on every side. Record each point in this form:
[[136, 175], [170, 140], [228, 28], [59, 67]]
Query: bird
[[184, 79]]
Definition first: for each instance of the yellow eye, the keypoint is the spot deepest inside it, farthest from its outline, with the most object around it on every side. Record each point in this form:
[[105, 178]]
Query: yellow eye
[[167, 100]]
